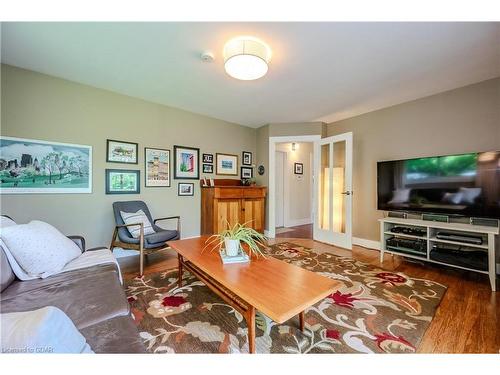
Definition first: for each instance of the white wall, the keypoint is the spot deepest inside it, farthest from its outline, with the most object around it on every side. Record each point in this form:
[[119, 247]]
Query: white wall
[[298, 188]]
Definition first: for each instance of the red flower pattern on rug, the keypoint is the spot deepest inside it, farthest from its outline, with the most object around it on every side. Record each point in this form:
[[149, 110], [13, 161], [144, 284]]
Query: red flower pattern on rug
[[373, 311]]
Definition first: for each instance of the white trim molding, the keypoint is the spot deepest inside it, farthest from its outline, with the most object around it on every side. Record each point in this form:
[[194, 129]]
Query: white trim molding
[[370, 244], [296, 222]]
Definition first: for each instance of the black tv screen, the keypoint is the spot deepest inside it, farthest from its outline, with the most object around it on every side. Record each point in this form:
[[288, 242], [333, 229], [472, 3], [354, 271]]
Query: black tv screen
[[465, 184]]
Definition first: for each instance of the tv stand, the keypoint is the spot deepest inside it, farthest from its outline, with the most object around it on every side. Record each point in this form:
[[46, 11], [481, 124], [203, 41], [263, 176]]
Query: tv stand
[[428, 240]]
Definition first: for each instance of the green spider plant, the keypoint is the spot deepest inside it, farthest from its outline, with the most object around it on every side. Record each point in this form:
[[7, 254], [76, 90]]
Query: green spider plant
[[242, 233]]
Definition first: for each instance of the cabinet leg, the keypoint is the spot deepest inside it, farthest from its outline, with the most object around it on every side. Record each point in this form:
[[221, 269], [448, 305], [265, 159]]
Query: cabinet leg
[[301, 320], [492, 261]]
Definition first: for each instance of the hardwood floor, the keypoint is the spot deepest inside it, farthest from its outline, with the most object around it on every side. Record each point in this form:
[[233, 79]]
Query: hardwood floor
[[467, 320], [300, 231]]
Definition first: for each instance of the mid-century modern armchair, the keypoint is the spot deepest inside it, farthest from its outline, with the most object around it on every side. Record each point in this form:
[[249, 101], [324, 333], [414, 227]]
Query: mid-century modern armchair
[[146, 244]]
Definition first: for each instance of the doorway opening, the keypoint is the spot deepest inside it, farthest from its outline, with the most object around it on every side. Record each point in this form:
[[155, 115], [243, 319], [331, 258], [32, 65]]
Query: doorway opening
[[293, 171]]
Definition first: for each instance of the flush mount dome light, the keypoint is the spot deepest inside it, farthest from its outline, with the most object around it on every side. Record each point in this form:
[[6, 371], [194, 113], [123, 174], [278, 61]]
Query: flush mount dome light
[[246, 58]]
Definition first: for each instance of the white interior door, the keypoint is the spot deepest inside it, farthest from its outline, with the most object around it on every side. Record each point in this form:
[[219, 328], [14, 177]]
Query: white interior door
[[333, 199], [279, 190]]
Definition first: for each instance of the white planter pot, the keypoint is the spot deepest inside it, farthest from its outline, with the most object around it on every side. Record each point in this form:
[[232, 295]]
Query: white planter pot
[[232, 247]]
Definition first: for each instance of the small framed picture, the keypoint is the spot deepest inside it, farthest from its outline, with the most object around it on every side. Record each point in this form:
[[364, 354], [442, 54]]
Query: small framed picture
[[208, 158], [186, 163], [226, 164], [121, 152], [185, 188], [208, 168], [246, 158], [157, 167], [298, 168], [246, 173], [121, 181]]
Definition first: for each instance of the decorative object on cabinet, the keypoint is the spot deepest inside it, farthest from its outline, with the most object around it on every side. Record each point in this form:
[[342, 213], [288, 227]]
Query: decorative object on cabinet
[[228, 200], [32, 166], [186, 163], [226, 164], [121, 152], [156, 167], [185, 189], [122, 181], [246, 158]]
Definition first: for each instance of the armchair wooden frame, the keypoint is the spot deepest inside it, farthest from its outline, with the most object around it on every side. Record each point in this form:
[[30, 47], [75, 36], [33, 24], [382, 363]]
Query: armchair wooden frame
[[115, 241]]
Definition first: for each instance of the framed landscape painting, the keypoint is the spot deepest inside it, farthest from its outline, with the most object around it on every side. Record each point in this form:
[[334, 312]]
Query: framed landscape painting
[[186, 163], [185, 189], [157, 167], [226, 164], [29, 166], [121, 152], [121, 181]]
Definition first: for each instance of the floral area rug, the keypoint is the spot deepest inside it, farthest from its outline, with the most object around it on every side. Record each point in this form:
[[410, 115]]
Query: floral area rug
[[374, 311]]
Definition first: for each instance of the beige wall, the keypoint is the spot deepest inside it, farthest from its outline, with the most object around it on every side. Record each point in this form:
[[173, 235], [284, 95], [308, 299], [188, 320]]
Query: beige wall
[[458, 121], [42, 107], [298, 205]]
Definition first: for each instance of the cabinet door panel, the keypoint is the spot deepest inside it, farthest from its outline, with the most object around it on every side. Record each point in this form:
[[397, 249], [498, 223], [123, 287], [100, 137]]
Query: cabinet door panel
[[227, 209], [253, 212]]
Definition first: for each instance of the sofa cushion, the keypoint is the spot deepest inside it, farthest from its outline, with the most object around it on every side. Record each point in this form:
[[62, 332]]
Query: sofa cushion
[[135, 218], [86, 300], [39, 248], [6, 274], [163, 236], [42, 331], [117, 335]]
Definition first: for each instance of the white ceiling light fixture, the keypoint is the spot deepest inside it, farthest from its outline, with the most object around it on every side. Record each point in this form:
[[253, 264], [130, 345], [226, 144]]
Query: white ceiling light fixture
[[246, 58]]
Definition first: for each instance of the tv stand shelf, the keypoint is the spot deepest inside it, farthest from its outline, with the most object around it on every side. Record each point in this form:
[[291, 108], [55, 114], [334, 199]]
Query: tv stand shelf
[[431, 228]]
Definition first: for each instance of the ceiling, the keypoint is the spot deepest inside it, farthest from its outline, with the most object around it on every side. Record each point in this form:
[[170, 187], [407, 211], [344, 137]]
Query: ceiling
[[319, 71]]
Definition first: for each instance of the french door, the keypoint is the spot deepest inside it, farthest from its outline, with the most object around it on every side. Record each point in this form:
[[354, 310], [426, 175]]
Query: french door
[[333, 184]]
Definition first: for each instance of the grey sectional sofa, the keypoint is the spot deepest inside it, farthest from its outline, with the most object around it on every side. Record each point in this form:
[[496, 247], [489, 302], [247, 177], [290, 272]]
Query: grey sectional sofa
[[92, 297]]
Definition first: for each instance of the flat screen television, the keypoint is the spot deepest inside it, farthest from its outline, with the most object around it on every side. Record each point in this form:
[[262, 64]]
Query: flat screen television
[[465, 185]]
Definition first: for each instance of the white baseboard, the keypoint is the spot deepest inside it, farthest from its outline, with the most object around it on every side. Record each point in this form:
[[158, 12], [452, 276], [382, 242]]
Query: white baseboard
[[296, 222], [370, 244], [266, 233]]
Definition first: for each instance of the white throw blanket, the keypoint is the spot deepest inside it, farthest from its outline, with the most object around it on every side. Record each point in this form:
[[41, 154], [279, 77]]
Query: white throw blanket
[[93, 258]]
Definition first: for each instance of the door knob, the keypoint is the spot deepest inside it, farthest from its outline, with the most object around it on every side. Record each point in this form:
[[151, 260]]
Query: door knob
[[346, 192]]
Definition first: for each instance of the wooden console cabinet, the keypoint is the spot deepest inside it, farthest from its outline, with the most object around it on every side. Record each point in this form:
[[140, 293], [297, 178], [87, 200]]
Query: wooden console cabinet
[[229, 200]]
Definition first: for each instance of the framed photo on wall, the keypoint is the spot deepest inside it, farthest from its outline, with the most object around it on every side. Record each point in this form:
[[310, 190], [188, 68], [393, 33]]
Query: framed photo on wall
[[298, 168], [121, 181], [186, 163], [156, 167], [208, 168], [30, 166], [121, 152], [185, 189], [246, 158], [246, 173], [226, 164], [208, 158]]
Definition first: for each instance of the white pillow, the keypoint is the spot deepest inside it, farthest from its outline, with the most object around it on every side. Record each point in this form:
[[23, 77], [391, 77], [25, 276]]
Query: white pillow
[[136, 218], [46, 330], [400, 196], [39, 248], [454, 198], [470, 194]]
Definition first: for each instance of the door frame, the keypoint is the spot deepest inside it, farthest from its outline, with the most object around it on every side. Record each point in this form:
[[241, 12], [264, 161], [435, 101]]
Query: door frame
[[271, 232], [285, 187]]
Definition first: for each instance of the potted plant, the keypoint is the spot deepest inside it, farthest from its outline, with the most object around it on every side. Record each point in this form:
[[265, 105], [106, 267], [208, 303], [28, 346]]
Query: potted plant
[[234, 237]]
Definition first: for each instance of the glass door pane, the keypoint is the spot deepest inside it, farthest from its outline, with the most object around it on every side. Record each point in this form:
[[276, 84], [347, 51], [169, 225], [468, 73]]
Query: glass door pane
[[339, 190], [324, 188]]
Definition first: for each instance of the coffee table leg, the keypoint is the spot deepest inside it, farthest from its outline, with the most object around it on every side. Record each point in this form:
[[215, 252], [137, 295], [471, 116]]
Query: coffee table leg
[[179, 258], [250, 318], [301, 320]]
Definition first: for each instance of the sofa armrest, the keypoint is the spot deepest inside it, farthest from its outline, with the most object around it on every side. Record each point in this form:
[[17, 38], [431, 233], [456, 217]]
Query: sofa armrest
[[79, 241]]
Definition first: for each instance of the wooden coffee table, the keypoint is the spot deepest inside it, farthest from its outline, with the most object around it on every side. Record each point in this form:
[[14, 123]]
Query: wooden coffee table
[[276, 288]]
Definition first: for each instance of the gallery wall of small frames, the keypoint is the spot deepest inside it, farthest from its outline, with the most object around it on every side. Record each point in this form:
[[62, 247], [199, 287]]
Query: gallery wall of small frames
[[158, 165]]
